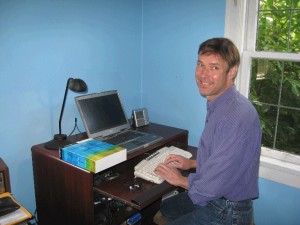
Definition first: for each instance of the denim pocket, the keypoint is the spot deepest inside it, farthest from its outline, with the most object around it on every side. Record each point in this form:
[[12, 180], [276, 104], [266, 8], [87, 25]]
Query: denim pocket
[[230, 213], [241, 215], [218, 211]]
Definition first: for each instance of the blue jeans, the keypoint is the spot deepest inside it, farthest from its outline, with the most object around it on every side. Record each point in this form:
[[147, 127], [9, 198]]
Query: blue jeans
[[179, 209]]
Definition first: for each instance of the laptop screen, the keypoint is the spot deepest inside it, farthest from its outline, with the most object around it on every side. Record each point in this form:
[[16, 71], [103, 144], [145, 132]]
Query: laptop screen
[[102, 113]]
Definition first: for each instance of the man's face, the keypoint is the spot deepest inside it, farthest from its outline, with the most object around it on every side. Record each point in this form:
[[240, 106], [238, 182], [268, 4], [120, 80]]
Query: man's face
[[212, 75]]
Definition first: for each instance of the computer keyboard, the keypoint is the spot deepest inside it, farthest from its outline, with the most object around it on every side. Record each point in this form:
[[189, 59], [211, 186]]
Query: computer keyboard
[[145, 169]]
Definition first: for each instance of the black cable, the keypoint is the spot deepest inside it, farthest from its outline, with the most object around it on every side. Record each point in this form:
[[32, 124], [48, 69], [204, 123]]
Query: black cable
[[108, 205], [33, 218], [75, 126]]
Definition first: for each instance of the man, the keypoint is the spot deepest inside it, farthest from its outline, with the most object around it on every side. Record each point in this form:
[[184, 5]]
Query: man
[[226, 178]]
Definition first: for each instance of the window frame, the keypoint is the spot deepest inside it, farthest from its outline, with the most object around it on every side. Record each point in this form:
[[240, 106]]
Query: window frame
[[240, 27]]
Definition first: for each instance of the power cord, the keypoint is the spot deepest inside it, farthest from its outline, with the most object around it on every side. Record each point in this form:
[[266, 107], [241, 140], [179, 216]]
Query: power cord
[[34, 222], [75, 127]]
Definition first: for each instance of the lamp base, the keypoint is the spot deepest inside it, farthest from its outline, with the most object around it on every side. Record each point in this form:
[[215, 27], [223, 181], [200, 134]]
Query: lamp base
[[59, 141]]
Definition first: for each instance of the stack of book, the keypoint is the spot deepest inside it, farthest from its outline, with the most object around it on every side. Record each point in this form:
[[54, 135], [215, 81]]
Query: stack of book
[[93, 155]]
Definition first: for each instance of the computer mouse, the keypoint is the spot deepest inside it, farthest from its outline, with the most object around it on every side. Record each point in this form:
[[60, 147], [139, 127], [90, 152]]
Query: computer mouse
[[134, 187]]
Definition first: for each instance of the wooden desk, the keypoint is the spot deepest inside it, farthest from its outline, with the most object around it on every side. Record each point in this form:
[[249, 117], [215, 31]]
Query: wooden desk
[[65, 193]]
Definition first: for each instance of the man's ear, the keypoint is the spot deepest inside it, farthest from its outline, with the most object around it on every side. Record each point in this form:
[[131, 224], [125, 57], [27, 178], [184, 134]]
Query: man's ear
[[233, 72]]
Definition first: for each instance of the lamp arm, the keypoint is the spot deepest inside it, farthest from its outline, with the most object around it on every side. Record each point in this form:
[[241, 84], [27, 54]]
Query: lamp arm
[[63, 105]]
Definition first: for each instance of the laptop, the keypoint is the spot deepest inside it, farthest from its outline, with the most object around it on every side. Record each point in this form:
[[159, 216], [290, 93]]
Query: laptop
[[104, 118]]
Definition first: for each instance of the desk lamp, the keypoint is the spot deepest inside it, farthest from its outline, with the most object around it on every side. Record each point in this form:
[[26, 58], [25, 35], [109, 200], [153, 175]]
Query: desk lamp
[[60, 140]]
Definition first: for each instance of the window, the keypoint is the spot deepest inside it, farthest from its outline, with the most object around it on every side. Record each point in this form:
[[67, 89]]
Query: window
[[266, 33], [275, 84]]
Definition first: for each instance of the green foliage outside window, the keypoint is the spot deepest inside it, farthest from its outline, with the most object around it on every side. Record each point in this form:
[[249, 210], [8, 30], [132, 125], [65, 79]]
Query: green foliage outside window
[[278, 26], [275, 84]]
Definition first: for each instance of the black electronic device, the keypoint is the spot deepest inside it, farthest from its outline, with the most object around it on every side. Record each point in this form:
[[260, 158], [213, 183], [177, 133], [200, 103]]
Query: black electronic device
[[7, 205], [140, 117]]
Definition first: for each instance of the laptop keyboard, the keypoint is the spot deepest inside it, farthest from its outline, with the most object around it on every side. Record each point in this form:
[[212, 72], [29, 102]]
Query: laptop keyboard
[[123, 137]]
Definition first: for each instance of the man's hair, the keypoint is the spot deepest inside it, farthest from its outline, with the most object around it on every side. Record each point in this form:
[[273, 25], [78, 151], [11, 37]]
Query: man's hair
[[222, 47]]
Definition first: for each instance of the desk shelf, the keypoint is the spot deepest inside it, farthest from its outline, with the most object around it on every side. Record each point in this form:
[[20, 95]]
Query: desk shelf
[[65, 194]]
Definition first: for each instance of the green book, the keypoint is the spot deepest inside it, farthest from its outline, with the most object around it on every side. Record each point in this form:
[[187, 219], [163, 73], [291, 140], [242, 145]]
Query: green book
[[93, 155]]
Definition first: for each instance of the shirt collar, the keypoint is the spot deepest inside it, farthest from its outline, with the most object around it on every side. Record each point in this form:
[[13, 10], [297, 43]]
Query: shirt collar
[[222, 98]]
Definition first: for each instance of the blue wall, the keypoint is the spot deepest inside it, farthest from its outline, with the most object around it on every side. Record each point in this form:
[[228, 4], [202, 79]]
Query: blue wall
[[172, 32], [42, 43], [277, 204], [145, 49]]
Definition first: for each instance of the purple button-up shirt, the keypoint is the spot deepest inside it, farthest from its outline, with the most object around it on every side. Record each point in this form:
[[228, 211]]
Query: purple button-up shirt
[[228, 152]]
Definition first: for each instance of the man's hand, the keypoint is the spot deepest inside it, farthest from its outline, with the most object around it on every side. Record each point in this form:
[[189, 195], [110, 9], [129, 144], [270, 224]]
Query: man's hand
[[180, 162], [172, 175]]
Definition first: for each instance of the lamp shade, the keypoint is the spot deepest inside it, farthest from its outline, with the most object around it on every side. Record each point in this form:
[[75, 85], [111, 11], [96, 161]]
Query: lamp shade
[[77, 85]]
